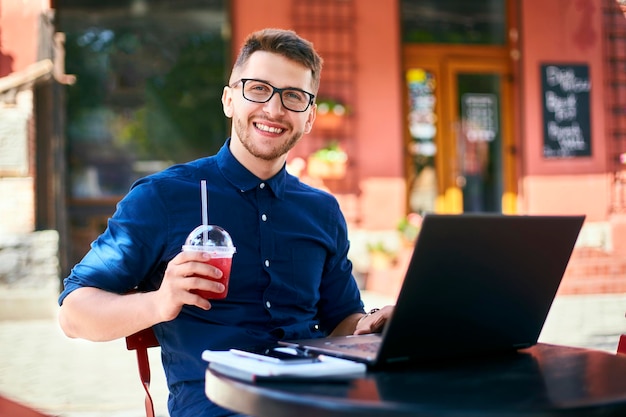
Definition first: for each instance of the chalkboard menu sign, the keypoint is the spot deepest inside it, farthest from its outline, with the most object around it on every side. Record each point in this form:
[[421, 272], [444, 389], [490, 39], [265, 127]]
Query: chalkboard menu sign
[[566, 124]]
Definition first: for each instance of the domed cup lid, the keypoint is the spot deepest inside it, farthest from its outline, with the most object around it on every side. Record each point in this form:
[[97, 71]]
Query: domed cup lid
[[210, 238]]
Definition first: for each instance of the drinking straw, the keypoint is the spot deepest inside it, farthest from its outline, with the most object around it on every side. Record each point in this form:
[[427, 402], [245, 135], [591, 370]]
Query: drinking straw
[[205, 208]]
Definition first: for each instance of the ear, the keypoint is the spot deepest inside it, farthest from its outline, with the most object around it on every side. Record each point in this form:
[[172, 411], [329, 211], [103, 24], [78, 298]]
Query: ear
[[227, 101], [308, 125]]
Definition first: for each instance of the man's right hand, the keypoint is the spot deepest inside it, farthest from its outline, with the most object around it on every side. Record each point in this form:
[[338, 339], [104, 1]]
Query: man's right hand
[[94, 314], [187, 271]]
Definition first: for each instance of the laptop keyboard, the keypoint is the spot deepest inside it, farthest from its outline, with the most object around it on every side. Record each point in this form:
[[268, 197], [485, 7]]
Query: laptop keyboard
[[371, 347]]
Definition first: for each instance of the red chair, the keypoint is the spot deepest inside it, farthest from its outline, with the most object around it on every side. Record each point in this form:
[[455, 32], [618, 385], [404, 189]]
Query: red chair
[[140, 342], [621, 345]]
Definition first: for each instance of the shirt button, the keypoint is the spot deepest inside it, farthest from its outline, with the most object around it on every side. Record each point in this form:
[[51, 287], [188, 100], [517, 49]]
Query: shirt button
[[268, 304], [267, 262], [316, 327], [264, 217], [262, 185]]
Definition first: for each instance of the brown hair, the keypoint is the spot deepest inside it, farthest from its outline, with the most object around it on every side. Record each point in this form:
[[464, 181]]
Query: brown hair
[[286, 43]]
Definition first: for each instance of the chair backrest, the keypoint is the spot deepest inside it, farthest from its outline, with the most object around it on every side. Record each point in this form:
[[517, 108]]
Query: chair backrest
[[621, 344], [141, 342]]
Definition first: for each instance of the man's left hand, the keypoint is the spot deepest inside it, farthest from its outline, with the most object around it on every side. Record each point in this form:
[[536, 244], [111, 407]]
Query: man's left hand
[[374, 321]]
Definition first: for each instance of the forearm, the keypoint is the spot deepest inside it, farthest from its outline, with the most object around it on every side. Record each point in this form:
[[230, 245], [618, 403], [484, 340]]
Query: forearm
[[348, 325], [98, 315]]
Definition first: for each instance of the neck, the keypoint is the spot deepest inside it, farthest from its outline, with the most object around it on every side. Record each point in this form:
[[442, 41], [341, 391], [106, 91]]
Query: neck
[[261, 168]]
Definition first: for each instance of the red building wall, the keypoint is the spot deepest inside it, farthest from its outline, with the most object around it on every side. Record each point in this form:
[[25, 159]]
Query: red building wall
[[562, 32], [19, 28], [378, 127], [552, 31], [19, 35], [572, 32]]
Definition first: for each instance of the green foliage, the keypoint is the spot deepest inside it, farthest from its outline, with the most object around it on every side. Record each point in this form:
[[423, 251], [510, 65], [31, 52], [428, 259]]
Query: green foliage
[[329, 105], [143, 93], [379, 246], [409, 226], [183, 117], [166, 100], [331, 153]]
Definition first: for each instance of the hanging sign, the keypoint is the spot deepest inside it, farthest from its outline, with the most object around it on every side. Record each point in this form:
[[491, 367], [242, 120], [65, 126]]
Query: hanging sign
[[566, 115]]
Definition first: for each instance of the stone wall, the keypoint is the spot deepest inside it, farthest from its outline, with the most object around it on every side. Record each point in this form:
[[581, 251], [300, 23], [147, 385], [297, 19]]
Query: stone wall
[[17, 207], [29, 275]]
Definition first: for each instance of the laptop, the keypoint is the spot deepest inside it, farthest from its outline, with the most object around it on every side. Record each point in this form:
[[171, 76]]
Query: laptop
[[476, 285]]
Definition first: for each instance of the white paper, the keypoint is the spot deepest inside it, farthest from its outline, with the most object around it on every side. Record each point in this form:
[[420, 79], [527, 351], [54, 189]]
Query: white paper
[[251, 369]]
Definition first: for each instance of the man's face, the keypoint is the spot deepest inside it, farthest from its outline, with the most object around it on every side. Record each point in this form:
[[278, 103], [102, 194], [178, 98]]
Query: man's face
[[268, 130]]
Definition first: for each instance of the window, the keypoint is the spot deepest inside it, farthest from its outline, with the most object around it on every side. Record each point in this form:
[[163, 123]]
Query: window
[[149, 82], [480, 22]]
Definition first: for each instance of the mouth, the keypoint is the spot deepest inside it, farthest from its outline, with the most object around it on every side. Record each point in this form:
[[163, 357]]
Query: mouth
[[269, 129]]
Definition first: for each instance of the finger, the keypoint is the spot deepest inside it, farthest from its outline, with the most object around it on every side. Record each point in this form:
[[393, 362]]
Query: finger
[[191, 297], [189, 256], [204, 284], [371, 323], [200, 302], [206, 270], [197, 270], [378, 323], [363, 326]]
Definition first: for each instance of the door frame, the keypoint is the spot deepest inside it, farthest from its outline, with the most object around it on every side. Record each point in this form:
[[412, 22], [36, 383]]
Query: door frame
[[444, 62]]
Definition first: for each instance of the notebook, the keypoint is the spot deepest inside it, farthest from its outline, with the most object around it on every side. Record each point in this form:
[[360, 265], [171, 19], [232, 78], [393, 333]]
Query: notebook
[[476, 284]]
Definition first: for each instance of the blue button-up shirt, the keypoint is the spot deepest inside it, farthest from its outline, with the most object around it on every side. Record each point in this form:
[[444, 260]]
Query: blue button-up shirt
[[291, 277]]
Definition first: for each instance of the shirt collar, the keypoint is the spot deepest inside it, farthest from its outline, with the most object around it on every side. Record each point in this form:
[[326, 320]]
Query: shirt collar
[[242, 178]]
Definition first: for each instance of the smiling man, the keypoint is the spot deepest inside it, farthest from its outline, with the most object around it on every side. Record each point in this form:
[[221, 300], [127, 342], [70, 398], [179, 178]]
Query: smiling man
[[290, 277]]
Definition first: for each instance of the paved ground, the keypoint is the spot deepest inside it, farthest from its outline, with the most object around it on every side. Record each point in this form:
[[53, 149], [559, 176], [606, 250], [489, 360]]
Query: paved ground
[[39, 366]]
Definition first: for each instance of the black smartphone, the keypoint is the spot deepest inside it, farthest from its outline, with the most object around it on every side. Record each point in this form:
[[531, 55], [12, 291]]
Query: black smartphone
[[278, 354]]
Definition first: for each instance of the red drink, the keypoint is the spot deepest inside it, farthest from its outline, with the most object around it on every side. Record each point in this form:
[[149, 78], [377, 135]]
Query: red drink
[[217, 242], [224, 265]]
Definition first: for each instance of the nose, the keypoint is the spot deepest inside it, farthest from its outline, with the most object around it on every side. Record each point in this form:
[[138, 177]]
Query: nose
[[274, 105]]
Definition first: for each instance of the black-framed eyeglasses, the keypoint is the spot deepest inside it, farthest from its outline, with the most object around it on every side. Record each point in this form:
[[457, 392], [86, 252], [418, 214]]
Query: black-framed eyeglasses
[[257, 91]]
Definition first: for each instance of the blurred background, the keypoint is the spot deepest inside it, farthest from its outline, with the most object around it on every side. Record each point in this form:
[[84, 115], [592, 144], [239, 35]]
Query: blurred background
[[447, 106]]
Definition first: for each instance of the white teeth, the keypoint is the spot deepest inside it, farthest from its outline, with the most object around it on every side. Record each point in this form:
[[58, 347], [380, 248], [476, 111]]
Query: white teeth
[[268, 128]]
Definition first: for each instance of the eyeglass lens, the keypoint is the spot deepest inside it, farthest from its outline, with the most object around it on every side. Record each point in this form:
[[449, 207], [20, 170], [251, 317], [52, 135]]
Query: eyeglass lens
[[261, 92]]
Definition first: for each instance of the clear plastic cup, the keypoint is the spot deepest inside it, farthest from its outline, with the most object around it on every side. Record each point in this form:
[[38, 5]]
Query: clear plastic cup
[[217, 242]]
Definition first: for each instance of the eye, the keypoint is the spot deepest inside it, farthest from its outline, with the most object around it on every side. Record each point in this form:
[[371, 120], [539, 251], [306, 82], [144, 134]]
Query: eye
[[295, 96], [258, 87]]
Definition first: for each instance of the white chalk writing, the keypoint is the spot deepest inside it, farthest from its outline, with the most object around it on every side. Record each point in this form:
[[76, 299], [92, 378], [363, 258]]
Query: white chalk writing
[[564, 108], [567, 80], [568, 137], [566, 91]]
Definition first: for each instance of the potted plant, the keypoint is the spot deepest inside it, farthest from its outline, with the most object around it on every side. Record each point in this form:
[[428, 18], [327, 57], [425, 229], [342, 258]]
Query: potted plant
[[329, 162], [381, 257], [330, 113], [409, 227]]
